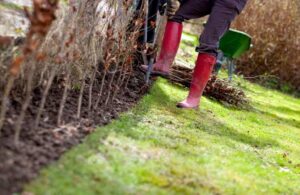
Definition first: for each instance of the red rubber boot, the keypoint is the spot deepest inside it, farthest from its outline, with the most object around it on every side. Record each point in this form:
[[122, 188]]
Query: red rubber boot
[[169, 49], [202, 72]]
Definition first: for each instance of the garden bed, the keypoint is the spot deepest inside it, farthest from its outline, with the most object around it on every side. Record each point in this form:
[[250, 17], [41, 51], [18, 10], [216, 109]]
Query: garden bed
[[38, 148]]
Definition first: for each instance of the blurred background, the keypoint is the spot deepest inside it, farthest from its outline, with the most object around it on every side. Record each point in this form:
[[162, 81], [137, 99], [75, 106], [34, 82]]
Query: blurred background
[[274, 59]]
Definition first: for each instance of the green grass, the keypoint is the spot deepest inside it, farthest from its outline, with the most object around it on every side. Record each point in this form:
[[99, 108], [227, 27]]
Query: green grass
[[159, 149]]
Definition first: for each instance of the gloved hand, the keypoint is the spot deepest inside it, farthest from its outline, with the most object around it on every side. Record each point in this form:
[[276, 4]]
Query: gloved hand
[[172, 7]]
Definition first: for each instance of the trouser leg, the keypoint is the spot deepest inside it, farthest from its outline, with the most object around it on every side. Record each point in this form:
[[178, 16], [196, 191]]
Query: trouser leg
[[221, 16], [191, 9], [152, 17]]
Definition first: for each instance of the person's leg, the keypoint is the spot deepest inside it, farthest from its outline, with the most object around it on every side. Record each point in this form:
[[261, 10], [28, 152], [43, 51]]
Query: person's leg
[[190, 9], [218, 23], [153, 10], [152, 17]]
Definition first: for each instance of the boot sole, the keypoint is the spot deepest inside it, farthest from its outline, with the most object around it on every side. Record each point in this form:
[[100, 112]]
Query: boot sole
[[156, 73], [187, 108]]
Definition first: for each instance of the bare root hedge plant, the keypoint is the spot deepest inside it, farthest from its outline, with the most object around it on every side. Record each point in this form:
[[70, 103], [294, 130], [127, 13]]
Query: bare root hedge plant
[[88, 47]]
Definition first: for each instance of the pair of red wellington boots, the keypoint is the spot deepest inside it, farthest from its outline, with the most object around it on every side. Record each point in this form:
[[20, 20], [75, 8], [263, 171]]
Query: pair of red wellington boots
[[202, 71]]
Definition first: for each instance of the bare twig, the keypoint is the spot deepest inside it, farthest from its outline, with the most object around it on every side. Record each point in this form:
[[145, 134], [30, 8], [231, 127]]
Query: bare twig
[[82, 86], [45, 94], [63, 99], [25, 105], [5, 99]]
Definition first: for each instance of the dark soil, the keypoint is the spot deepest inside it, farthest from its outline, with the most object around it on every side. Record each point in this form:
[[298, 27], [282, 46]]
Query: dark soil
[[38, 148]]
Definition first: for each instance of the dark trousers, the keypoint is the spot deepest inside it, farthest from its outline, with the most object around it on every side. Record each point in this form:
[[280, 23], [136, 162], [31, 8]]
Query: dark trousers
[[152, 16], [222, 13]]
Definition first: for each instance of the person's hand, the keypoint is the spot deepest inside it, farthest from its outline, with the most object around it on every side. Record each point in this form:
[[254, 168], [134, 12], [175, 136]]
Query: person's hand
[[172, 7]]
